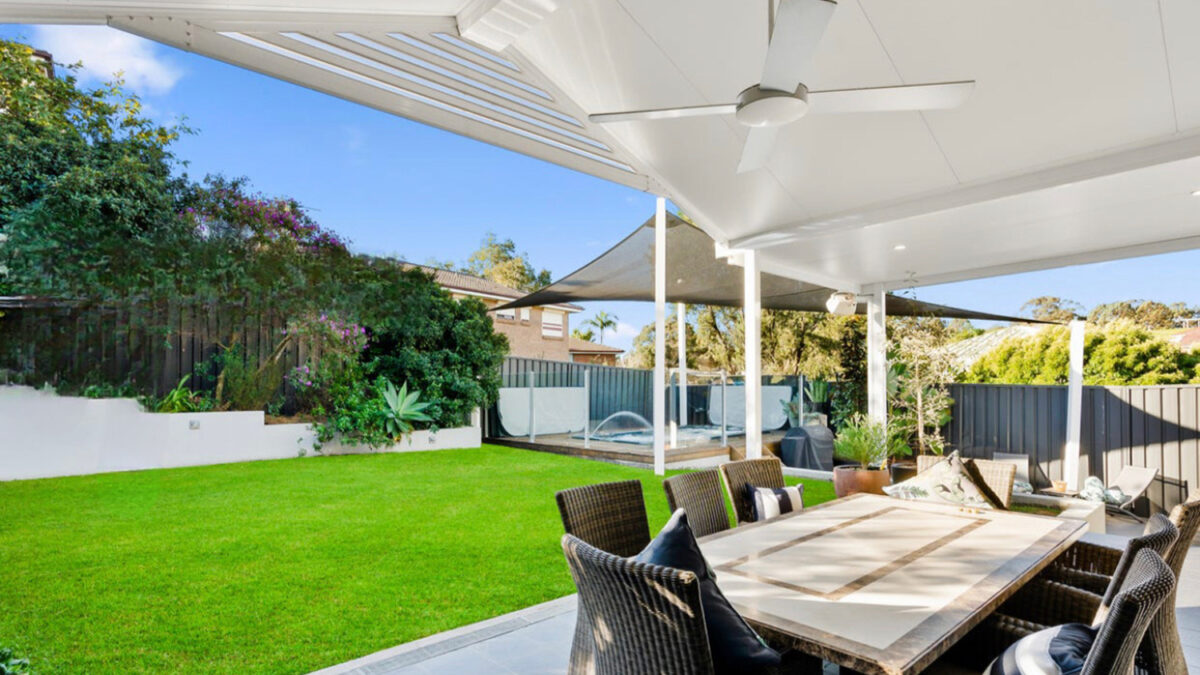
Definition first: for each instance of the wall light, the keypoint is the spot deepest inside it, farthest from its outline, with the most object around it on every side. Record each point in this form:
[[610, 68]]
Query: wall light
[[842, 303]]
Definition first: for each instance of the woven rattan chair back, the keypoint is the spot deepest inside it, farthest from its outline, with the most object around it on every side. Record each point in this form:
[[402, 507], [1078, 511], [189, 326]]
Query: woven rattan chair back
[[1160, 534], [997, 476], [648, 618], [612, 518], [609, 516], [765, 472], [699, 494], [1162, 652], [1147, 584]]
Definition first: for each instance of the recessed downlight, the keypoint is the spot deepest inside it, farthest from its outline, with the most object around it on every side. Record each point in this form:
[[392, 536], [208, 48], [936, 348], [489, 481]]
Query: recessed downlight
[[1196, 193], [899, 247]]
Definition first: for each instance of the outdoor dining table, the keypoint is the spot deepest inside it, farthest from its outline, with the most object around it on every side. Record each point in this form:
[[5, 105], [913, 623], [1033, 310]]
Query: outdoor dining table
[[877, 584]]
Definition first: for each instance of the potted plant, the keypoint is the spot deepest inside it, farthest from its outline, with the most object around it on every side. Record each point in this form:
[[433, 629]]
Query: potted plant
[[818, 395], [792, 409], [868, 444]]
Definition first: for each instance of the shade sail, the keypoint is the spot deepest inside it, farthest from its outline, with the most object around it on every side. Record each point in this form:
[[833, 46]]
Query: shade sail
[[696, 276]]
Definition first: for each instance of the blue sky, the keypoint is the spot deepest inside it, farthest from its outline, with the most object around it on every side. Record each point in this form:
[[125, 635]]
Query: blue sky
[[400, 188]]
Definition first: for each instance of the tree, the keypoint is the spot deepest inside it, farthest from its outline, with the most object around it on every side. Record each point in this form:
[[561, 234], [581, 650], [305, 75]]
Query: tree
[[499, 261], [1051, 308], [1124, 353], [602, 321], [1146, 313], [583, 334], [922, 367]]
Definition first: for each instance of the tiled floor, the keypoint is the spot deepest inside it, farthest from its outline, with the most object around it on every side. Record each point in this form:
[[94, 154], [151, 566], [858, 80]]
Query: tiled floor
[[537, 639]]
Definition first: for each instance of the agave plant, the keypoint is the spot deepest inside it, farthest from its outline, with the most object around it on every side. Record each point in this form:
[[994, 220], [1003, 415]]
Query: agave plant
[[402, 408], [818, 391]]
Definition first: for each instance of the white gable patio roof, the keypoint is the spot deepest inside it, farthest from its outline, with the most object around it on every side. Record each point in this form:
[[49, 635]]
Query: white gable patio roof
[[1079, 142]]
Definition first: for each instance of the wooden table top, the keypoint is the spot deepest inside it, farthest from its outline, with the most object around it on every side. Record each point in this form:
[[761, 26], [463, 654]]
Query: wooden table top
[[878, 584]]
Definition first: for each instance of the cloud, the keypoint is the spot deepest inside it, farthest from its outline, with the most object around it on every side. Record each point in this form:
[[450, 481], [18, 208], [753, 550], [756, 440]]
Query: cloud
[[625, 330], [106, 51]]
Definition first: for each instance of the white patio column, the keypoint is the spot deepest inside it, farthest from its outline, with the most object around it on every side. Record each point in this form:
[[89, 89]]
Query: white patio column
[[877, 367], [660, 336], [1074, 407], [681, 347], [753, 322]]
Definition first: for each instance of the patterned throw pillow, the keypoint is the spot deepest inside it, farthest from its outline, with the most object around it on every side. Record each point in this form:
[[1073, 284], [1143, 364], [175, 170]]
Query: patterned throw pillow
[[946, 482], [773, 502], [1060, 650]]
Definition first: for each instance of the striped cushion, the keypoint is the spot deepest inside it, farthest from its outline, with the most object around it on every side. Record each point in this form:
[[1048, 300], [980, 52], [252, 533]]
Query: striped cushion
[[1060, 650], [772, 502]]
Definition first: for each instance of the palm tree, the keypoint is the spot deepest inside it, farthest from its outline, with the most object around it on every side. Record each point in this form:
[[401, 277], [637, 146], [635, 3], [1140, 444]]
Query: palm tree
[[602, 322]]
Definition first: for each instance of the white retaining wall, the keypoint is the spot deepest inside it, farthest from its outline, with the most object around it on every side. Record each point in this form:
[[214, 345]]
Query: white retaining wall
[[43, 435]]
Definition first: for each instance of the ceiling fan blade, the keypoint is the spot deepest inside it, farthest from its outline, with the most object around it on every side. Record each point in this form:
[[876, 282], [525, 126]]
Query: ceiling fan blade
[[877, 99], [665, 113], [799, 25], [760, 142]]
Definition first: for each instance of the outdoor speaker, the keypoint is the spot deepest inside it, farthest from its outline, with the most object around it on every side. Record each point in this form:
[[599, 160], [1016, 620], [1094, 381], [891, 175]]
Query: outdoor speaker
[[842, 303]]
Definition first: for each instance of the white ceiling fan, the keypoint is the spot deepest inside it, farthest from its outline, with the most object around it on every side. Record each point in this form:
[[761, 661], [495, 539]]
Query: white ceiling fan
[[781, 97]]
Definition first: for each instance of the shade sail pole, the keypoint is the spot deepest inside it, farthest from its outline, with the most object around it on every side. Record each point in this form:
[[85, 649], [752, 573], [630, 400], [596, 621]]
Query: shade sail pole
[[877, 367], [660, 336], [681, 348], [753, 323], [1074, 407]]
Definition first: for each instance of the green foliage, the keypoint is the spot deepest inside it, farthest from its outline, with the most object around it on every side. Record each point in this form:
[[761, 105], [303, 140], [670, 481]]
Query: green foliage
[[1051, 308], [445, 348], [106, 390], [818, 391], [182, 399], [243, 385], [584, 334], [602, 322], [10, 664], [1121, 355], [867, 442], [1145, 313], [402, 409], [499, 261], [919, 369]]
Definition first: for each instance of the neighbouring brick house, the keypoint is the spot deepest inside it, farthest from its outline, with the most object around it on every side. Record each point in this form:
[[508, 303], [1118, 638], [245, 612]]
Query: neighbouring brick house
[[583, 351], [534, 332]]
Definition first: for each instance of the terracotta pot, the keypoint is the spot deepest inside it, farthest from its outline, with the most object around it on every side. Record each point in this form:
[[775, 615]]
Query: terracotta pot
[[848, 480]]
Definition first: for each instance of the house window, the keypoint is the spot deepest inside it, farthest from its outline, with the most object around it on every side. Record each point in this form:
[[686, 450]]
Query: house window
[[552, 324], [507, 314], [524, 315]]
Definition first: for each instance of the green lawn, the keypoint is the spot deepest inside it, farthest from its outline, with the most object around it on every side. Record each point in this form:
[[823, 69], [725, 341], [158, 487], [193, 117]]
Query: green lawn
[[283, 566]]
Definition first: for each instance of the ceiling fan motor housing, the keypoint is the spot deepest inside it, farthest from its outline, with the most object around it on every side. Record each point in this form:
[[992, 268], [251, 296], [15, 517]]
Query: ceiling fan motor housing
[[758, 107]]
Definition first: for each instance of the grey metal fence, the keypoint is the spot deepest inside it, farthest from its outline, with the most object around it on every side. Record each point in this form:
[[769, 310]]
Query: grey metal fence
[[1156, 426], [612, 388]]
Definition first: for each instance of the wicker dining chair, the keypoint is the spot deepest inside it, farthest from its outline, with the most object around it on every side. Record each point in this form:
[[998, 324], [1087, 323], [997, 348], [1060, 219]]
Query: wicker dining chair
[[699, 494], [652, 617], [611, 517], [996, 477], [766, 472], [1135, 604], [1162, 652]]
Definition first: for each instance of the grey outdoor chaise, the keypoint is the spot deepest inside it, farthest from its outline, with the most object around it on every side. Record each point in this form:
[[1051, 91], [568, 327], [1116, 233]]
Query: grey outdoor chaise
[[766, 472], [700, 495], [1132, 481], [611, 517]]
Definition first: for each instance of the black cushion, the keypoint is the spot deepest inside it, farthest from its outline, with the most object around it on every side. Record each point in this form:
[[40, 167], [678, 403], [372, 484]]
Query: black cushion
[[1060, 650], [768, 503], [735, 646]]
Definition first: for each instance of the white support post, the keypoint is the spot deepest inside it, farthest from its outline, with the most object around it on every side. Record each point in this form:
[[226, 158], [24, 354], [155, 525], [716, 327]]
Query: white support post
[[660, 336], [532, 417], [753, 322], [1074, 407], [681, 347], [587, 408], [877, 367]]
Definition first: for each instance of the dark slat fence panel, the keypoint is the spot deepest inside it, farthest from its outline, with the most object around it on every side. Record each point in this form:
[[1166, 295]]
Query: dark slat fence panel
[[1156, 426]]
